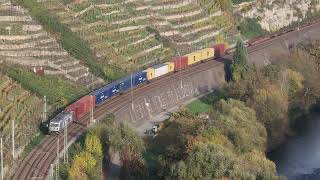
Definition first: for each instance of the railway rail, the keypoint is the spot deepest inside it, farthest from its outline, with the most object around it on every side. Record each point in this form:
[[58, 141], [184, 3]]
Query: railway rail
[[37, 164]]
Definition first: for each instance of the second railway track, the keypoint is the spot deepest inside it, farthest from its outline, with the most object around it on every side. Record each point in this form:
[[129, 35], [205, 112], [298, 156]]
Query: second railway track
[[37, 164]]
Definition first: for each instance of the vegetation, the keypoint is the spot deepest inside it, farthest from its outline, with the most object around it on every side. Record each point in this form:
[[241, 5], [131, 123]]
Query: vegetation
[[101, 144], [58, 91], [240, 1], [69, 40], [250, 28], [268, 103], [240, 67]]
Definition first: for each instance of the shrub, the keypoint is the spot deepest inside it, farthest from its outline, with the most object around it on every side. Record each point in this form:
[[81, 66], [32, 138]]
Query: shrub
[[250, 28]]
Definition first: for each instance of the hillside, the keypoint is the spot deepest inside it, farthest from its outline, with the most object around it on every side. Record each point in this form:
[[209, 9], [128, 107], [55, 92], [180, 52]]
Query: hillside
[[132, 34], [273, 15], [21, 106], [23, 41]]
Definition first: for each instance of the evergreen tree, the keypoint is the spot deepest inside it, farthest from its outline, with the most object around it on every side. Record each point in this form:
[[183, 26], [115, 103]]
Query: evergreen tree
[[240, 67]]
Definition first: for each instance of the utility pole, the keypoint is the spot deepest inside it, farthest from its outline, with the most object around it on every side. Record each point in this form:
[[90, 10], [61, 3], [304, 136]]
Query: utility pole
[[51, 172], [44, 108], [1, 154], [131, 93], [13, 144], [58, 161], [92, 120], [65, 154]]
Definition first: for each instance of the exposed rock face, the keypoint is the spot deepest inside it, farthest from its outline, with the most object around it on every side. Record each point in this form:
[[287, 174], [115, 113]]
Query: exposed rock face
[[275, 14]]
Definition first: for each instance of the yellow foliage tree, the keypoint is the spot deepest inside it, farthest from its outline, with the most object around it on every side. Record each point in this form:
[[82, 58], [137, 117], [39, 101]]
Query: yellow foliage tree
[[82, 164], [93, 145]]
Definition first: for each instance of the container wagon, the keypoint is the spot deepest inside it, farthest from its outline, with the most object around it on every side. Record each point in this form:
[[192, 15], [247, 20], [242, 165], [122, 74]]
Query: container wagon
[[105, 92], [180, 63], [132, 80], [82, 106], [219, 50], [207, 53], [194, 57], [157, 71]]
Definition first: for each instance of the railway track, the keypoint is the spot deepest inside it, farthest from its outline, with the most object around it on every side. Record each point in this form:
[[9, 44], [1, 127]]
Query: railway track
[[37, 164]]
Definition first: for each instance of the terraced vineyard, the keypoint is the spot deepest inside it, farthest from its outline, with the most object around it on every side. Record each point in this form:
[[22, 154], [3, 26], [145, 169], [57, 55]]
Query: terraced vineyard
[[21, 106], [23, 41], [132, 34]]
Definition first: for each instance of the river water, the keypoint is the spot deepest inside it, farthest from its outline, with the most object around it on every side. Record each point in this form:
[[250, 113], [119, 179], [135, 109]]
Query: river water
[[299, 158]]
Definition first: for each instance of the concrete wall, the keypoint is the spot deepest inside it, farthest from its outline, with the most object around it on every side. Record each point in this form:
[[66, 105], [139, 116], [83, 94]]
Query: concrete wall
[[160, 99]]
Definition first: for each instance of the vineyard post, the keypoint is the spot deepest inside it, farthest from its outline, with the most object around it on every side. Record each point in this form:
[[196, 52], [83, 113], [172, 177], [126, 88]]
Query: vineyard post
[[13, 144], [44, 108]]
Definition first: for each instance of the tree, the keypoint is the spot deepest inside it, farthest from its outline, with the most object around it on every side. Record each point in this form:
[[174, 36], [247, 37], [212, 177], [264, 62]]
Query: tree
[[206, 161], [234, 119], [82, 165], [253, 165], [133, 168], [240, 67], [93, 145]]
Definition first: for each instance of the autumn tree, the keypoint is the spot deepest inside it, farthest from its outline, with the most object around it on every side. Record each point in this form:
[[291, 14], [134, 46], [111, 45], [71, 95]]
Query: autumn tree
[[93, 145], [206, 161], [82, 166], [234, 119], [253, 165]]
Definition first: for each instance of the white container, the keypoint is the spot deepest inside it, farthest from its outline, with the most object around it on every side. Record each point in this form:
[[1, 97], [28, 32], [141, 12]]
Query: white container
[[160, 70]]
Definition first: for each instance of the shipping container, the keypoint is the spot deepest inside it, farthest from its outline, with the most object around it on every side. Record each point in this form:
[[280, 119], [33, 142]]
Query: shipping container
[[194, 57], [105, 92], [207, 53], [170, 66], [160, 70], [132, 80], [82, 106], [150, 73], [180, 62], [219, 50]]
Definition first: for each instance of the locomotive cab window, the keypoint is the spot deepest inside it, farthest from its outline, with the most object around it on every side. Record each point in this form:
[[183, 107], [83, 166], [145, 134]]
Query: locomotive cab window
[[54, 124]]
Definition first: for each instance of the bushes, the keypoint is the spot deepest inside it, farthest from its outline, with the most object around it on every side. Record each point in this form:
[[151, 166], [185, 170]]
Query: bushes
[[59, 92], [250, 28]]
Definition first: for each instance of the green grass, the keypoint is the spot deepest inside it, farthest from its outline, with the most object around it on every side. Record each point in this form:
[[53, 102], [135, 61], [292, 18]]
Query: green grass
[[197, 107], [59, 92], [33, 143], [204, 104]]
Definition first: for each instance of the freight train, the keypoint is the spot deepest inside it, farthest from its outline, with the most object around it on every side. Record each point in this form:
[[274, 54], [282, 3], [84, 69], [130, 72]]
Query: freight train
[[83, 106]]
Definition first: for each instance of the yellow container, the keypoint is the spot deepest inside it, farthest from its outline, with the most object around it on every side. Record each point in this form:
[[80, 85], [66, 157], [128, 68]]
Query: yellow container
[[207, 53], [150, 73], [194, 57], [170, 66]]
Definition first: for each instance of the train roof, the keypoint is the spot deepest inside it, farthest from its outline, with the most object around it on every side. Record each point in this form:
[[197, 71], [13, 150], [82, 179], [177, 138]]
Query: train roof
[[159, 65], [61, 116], [134, 75]]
